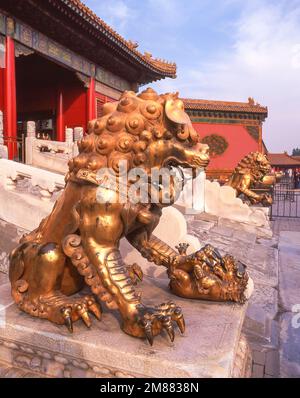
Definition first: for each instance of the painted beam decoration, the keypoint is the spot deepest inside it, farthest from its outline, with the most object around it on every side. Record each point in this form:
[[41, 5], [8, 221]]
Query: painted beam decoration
[[35, 40], [238, 119]]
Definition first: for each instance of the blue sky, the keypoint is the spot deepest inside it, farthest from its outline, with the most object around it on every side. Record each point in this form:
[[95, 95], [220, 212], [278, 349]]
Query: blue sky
[[225, 50]]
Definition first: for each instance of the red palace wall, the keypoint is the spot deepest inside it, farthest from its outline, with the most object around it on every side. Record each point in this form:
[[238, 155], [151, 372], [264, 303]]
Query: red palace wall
[[75, 99], [240, 143]]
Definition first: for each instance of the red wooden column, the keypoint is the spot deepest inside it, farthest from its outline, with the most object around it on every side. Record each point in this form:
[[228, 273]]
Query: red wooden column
[[60, 127], [91, 100], [10, 100]]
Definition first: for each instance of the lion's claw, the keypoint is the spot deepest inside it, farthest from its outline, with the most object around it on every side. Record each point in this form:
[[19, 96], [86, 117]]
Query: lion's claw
[[147, 325], [167, 325], [179, 319], [66, 314], [135, 273], [79, 309], [95, 309], [160, 318]]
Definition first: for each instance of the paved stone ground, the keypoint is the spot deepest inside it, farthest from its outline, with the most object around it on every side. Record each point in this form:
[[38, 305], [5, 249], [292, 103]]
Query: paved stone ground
[[289, 299], [285, 224], [287, 229]]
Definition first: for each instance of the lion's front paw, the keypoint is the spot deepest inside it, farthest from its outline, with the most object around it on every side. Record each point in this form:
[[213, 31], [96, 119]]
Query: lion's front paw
[[150, 321], [266, 199]]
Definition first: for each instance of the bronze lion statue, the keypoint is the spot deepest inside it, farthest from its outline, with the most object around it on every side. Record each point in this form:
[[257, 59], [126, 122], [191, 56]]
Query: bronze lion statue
[[77, 245], [251, 171]]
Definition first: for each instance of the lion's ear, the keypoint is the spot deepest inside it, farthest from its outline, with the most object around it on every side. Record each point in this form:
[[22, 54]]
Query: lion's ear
[[175, 112]]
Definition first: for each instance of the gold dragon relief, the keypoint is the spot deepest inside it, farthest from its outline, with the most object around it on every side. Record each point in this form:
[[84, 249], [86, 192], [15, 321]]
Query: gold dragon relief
[[78, 243]]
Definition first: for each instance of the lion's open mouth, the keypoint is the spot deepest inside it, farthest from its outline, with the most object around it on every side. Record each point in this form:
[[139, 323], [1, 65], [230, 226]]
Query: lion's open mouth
[[185, 170], [173, 178], [176, 173]]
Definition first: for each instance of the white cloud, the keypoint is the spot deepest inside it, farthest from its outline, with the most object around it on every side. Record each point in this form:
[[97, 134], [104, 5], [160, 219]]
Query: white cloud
[[116, 13], [168, 12], [263, 62], [119, 10]]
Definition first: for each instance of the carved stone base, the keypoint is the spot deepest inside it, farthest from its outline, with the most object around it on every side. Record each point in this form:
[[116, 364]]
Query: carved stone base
[[211, 347], [243, 360]]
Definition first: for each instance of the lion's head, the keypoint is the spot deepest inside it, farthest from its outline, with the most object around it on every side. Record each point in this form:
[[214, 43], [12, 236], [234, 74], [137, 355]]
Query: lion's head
[[147, 130], [256, 163]]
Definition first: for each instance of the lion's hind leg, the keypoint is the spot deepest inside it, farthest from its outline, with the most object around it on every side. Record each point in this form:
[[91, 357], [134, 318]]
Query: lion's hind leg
[[37, 289]]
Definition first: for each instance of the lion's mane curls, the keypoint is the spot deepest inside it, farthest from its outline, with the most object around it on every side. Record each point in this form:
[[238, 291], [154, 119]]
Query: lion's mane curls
[[124, 132], [251, 162]]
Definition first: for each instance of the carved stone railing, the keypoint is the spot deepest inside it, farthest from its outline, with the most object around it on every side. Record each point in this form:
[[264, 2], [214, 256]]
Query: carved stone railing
[[27, 193], [51, 155], [56, 158], [3, 148], [11, 172]]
